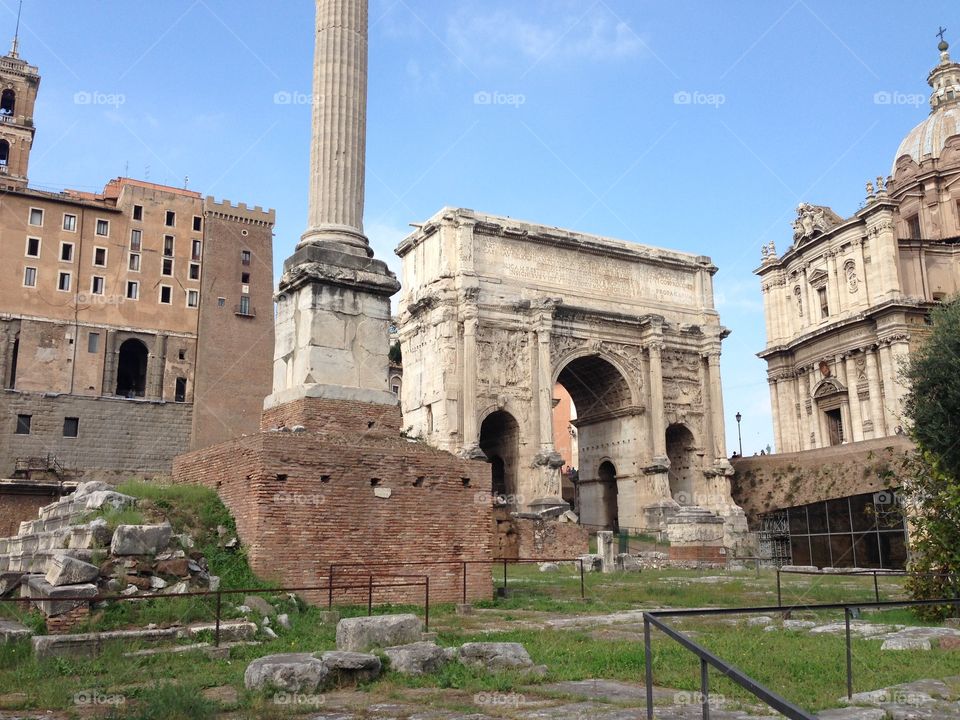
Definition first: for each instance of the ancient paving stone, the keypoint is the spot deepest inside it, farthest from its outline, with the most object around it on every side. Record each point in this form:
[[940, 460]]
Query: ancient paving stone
[[495, 656], [11, 631], [351, 667], [902, 643], [364, 633]]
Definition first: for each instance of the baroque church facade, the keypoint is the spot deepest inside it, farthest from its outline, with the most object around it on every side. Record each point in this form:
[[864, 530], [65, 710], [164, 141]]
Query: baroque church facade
[[851, 297]]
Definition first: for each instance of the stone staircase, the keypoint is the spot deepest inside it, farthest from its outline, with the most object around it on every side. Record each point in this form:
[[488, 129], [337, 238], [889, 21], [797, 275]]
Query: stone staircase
[[25, 558]]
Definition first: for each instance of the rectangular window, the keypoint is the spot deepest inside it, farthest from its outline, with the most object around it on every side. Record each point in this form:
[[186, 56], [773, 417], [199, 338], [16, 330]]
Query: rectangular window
[[23, 424], [166, 293], [66, 252], [63, 282], [103, 228], [36, 217], [245, 278], [168, 245], [194, 271], [171, 218], [93, 342], [33, 247], [136, 237], [96, 285], [71, 427], [221, 302], [195, 251], [100, 257], [134, 264], [913, 227], [167, 267], [245, 257], [70, 223], [244, 304], [133, 290], [30, 277], [181, 391], [138, 212], [193, 298], [824, 305], [197, 223]]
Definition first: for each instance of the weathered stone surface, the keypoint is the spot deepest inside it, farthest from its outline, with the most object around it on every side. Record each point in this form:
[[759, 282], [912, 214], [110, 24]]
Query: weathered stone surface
[[66, 570], [625, 562], [347, 668], [230, 630], [549, 567], [92, 486], [904, 643], [293, 672], [90, 645], [283, 620], [417, 658], [799, 568], [853, 713], [47, 597], [495, 656], [591, 563], [364, 633], [101, 498], [140, 539], [176, 567], [10, 581], [257, 603], [11, 631]]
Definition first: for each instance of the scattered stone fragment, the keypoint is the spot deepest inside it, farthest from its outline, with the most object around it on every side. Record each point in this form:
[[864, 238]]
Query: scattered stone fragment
[[495, 656], [140, 539], [902, 643], [255, 602], [760, 620], [417, 658], [380, 631], [11, 631], [349, 668], [66, 570], [283, 621], [268, 631], [549, 567], [157, 583], [293, 672]]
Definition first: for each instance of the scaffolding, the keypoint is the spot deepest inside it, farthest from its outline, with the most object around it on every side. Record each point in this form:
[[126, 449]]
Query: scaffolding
[[774, 539]]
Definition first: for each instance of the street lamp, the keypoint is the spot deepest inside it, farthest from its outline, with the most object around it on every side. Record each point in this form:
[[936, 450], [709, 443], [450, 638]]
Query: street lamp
[[739, 436]]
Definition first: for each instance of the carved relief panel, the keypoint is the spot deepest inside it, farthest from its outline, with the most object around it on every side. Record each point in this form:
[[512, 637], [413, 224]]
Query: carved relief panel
[[503, 358]]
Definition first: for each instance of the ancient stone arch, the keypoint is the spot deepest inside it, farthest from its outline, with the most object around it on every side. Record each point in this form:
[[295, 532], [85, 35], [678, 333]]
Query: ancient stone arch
[[494, 313]]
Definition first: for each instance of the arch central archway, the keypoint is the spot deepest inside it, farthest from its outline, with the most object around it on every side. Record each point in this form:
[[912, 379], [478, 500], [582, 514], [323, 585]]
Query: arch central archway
[[500, 442], [132, 369], [599, 421]]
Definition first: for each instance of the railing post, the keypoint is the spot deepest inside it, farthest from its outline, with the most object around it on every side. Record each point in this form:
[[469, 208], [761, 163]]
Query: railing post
[[648, 664], [330, 588], [846, 618], [583, 591], [876, 587], [426, 603], [369, 595], [705, 688], [216, 634], [504, 577], [464, 582], [779, 591]]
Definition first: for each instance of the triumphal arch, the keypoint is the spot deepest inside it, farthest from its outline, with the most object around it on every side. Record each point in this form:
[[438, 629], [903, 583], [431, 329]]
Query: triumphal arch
[[496, 312]]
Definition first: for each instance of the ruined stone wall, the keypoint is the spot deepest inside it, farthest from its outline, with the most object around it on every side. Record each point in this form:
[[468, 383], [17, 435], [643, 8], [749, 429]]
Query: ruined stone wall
[[305, 500], [116, 437], [534, 538], [772, 482]]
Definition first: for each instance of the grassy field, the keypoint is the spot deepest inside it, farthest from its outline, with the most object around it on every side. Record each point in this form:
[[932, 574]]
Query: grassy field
[[807, 669]]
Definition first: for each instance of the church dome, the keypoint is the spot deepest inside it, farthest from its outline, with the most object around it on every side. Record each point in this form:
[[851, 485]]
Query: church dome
[[928, 139]]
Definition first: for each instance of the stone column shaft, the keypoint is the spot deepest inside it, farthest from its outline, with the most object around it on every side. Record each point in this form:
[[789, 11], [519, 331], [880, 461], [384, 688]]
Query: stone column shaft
[[775, 411], [833, 285], [853, 397], [818, 440], [716, 407], [657, 420], [876, 399], [471, 433], [545, 389], [889, 374], [338, 149]]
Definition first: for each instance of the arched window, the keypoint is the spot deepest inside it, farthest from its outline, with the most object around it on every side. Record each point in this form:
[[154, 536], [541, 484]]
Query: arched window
[[8, 102], [4, 153], [132, 369]]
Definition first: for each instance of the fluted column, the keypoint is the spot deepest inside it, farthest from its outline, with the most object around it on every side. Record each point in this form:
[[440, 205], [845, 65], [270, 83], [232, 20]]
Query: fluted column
[[545, 389], [853, 397], [716, 407], [338, 148], [657, 420], [775, 411], [471, 433]]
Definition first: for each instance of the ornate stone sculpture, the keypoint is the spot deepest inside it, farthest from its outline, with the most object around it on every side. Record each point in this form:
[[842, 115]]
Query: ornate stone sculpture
[[850, 270], [810, 219]]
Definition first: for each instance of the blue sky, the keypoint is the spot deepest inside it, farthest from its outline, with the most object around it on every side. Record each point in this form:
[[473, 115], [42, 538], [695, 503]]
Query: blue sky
[[692, 125]]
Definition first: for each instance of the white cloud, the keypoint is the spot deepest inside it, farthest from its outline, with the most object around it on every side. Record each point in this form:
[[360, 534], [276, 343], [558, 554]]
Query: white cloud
[[539, 32]]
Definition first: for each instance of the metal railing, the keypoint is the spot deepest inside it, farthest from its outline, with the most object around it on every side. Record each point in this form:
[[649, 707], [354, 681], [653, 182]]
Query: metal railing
[[866, 573], [738, 676]]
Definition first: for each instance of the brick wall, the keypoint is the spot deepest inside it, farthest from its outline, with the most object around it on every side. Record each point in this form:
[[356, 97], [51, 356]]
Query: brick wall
[[116, 436], [335, 417], [20, 502], [533, 538], [305, 500], [771, 482]]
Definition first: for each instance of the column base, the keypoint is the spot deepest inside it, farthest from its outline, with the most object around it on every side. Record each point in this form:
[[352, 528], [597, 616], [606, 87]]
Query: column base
[[341, 237], [330, 392]]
